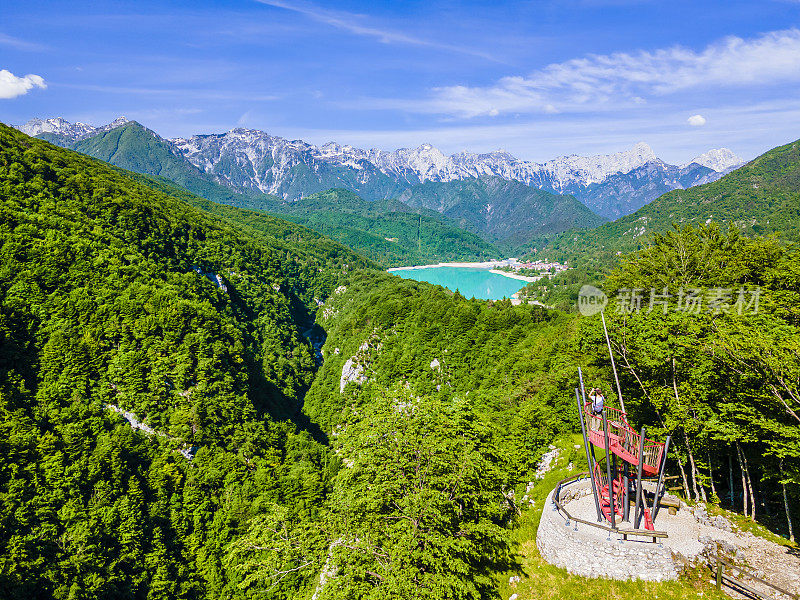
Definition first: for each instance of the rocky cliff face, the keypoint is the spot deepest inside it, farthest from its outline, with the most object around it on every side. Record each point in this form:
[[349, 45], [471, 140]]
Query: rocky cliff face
[[66, 131]]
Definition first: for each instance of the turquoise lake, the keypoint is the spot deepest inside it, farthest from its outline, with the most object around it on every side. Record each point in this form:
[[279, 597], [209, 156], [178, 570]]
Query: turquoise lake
[[478, 283]]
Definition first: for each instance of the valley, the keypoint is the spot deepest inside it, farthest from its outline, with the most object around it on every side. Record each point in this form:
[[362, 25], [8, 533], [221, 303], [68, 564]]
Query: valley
[[372, 300], [212, 392], [267, 357]]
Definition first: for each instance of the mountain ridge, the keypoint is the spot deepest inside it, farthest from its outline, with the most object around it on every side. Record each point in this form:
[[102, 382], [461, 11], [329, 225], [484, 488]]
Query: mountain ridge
[[253, 160], [388, 231]]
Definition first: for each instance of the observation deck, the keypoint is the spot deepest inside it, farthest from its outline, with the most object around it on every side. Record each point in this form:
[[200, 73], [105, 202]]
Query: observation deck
[[623, 441]]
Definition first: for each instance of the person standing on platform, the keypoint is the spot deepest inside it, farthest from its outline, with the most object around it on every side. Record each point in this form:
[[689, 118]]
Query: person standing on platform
[[597, 398]]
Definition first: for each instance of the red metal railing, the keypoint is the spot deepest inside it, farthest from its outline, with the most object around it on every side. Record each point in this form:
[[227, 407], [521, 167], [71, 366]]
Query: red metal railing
[[623, 440]]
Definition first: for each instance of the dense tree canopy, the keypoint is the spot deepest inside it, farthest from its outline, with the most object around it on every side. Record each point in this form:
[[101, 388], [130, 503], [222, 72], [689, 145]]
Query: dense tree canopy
[[116, 296], [199, 401]]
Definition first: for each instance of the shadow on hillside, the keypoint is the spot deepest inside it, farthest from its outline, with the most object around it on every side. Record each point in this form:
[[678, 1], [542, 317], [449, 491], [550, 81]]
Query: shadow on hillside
[[270, 401]]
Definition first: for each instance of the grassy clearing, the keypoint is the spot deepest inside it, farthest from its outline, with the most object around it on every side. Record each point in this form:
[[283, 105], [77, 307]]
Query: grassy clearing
[[541, 581]]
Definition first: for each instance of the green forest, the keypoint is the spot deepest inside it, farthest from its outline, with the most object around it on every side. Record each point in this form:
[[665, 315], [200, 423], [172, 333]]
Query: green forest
[[390, 233], [201, 401]]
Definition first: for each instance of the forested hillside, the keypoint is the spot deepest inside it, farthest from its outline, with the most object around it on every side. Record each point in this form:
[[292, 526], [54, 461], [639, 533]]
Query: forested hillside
[[508, 213], [169, 430], [436, 343], [136, 148], [720, 377], [760, 198], [387, 232], [439, 406], [382, 231], [118, 297], [115, 296], [308, 254]]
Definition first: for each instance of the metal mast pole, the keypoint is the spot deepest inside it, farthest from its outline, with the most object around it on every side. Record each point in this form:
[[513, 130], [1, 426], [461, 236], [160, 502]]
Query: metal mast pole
[[583, 389], [639, 499], [613, 364], [589, 460], [658, 495], [583, 397], [611, 507], [626, 498]]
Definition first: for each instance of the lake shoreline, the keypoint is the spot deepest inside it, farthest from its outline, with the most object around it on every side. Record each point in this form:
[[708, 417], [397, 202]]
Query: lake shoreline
[[515, 275], [470, 281], [490, 266]]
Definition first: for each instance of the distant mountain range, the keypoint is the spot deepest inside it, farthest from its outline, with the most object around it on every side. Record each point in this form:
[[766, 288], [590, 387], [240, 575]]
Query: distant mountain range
[[762, 197], [248, 160], [57, 129], [508, 213], [483, 218]]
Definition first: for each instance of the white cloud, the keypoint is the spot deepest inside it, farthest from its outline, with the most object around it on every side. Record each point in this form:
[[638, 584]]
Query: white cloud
[[354, 23], [597, 82], [12, 86], [7, 40], [696, 120]]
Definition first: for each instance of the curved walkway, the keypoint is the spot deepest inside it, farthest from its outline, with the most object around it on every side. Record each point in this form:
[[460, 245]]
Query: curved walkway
[[592, 552]]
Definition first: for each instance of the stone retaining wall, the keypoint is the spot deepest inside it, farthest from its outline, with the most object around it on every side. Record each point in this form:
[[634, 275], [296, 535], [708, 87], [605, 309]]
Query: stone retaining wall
[[589, 552]]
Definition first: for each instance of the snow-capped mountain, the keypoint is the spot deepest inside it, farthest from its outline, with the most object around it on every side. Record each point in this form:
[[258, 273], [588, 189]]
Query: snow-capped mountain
[[719, 159], [58, 126], [252, 160], [68, 131], [267, 155]]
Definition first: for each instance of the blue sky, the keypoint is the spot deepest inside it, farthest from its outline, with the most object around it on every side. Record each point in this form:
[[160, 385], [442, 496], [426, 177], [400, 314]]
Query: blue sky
[[538, 79]]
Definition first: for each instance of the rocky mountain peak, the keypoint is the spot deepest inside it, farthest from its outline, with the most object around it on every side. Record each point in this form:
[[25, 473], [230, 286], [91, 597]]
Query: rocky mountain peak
[[118, 122], [57, 125], [718, 159], [251, 159], [72, 131]]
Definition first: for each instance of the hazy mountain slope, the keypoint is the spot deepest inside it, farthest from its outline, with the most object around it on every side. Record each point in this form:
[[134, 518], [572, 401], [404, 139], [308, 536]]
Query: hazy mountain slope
[[507, 212], [386, 231], [624, 193]]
